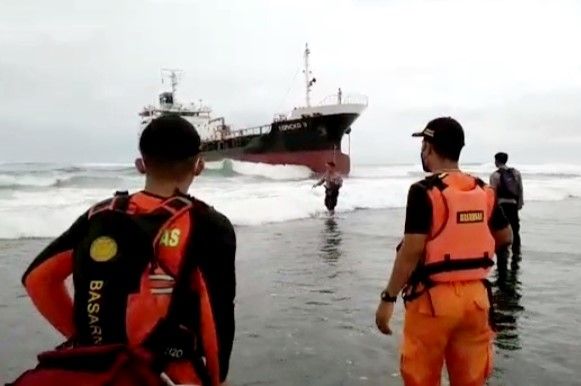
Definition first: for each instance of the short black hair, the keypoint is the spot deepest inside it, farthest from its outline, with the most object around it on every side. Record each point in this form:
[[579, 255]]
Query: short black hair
[[169, 138], [169, 145], [448, 152], [501, 157]]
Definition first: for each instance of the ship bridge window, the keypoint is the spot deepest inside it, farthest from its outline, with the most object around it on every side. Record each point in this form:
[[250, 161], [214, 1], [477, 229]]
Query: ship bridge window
[[166, 98]]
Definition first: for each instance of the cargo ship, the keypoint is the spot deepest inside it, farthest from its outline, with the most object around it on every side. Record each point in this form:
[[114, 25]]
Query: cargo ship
[[308, 135]]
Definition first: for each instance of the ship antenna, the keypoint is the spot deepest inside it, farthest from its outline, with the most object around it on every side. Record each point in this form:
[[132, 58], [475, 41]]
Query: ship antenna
[[308, 81]]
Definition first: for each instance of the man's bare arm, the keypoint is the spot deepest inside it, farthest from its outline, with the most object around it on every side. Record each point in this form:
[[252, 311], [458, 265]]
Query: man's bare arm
[[406, 261]]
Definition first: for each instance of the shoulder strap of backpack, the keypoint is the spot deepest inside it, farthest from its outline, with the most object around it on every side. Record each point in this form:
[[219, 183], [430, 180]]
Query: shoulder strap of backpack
[[119, 202], [188, 264], [507, 171], [173, 207], [190, 261], [180, 298], [478, 181]]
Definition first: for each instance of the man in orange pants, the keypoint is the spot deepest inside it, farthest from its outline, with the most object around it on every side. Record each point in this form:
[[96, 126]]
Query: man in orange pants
[[453, 226]]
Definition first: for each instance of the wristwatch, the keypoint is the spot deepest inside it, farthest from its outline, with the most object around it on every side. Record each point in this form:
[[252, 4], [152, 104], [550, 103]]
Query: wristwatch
[[386, 297]]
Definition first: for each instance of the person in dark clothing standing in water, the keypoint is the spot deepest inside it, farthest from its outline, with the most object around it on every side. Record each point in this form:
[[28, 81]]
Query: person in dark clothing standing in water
[[507, 182], [333, 183]]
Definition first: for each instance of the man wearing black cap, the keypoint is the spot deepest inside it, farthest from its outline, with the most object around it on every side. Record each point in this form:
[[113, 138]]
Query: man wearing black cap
[[508, 185], [452, 228], [193, 252]]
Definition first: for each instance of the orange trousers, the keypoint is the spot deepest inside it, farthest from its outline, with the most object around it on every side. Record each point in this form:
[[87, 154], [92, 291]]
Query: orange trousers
[[449, 323]]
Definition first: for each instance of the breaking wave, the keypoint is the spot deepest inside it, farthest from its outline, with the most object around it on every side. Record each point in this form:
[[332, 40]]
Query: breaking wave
[[41, 200]]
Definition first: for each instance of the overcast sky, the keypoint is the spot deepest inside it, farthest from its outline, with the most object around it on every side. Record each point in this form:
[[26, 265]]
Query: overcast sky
[[74, 74]]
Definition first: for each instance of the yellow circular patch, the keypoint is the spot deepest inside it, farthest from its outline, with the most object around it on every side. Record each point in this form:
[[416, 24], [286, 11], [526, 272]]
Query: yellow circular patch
[[103, 249]]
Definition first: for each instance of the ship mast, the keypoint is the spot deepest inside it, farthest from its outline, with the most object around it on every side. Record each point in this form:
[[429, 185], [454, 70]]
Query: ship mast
[[173, 77], [308, 81]]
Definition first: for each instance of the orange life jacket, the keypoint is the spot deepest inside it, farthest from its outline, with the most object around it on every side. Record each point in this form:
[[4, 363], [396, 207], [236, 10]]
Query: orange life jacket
[[460, 245], [133, 287]]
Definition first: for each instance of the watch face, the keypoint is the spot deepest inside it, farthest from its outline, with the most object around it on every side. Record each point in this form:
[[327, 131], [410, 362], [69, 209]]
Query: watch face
[[386, 297]]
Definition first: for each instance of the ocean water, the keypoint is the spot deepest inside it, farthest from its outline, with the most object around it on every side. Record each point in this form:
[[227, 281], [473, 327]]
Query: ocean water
[[41, 200], [308, 283]]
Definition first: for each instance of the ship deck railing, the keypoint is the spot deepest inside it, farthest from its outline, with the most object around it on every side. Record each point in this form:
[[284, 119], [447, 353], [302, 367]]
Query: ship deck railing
[[189, 110], [336, 99], [256, 130]]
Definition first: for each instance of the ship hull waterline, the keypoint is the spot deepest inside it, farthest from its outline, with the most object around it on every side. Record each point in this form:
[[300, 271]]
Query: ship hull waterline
[[316, 160]]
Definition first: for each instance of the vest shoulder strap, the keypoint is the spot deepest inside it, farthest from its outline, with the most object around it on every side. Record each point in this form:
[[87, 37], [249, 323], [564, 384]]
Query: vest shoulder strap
[[181, 299], [119, 202], [435, 181], [176, 204], [479, 182], [172, 208], [190, 261]]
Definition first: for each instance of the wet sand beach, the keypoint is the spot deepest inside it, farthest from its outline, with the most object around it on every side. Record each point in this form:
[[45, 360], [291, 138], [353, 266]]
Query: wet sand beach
[[307, 292]]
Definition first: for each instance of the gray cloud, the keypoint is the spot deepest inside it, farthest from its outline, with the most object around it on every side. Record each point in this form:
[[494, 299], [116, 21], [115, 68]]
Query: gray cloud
[[74, 74]]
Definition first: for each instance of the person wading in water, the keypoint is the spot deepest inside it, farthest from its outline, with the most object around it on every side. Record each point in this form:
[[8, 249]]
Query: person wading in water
[[333, 183]]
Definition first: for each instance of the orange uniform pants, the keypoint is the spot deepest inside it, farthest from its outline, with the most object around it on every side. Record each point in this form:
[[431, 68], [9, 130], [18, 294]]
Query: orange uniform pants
[[449, 323]]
